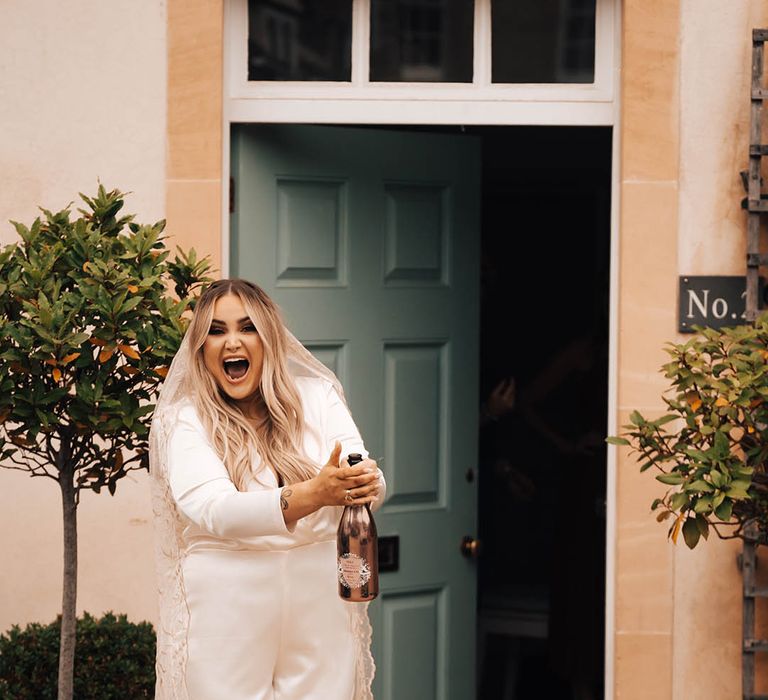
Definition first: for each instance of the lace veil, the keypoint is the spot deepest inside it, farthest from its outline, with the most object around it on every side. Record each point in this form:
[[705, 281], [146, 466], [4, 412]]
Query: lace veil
[[168, 527]]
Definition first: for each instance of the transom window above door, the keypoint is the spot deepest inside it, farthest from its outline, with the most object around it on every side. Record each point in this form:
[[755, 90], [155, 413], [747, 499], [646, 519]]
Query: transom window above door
[[422, 41], [421, 61]]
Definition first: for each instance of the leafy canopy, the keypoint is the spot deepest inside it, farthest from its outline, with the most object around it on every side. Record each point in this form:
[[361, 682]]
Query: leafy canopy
[[89, 328], [712, 446], [115, 659]]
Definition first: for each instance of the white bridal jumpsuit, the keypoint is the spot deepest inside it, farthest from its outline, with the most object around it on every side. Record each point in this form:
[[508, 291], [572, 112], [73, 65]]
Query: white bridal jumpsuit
[[265, 621]]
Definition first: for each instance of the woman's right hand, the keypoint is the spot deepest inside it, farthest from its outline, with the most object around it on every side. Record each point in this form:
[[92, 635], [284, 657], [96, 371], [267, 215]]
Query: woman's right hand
[[333, 482]]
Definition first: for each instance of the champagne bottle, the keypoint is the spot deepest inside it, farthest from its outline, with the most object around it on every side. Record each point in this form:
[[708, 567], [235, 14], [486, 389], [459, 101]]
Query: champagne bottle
[[357, 550]]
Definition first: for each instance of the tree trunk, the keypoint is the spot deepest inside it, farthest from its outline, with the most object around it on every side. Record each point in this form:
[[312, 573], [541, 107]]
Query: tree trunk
[[69, 596]]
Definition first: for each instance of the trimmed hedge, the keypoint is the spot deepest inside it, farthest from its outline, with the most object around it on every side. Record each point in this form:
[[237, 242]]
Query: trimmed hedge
[[114, 660]]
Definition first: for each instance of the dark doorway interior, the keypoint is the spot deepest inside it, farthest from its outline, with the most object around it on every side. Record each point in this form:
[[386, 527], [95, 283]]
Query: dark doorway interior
[[542, 461], [545, 276]]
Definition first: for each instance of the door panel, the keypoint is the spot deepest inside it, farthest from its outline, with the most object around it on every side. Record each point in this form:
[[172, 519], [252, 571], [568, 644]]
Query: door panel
[[369, 241]]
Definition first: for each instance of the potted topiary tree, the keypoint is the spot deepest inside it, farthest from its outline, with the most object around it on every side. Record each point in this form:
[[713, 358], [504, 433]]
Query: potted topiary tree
[[89, 328]]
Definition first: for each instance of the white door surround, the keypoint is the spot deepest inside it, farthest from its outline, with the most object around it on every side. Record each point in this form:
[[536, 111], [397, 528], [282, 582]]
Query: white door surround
[[481, 103]]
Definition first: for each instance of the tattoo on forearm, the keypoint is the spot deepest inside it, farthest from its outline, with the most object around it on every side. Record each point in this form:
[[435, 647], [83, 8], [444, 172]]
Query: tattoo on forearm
[[285, 494]]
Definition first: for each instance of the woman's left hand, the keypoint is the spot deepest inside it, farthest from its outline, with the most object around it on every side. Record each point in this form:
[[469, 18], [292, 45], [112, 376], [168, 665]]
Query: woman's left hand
[[367, 493], [336, 484]]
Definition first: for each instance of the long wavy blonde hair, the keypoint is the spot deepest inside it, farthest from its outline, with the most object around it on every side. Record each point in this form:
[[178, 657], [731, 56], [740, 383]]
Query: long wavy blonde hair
[[278, 438]]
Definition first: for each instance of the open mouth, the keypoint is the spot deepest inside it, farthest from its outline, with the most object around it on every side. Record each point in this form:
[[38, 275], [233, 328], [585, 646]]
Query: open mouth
[[236, 368]]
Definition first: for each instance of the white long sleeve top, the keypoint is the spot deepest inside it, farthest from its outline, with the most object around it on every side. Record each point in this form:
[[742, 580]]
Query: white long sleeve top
[[221, 517]]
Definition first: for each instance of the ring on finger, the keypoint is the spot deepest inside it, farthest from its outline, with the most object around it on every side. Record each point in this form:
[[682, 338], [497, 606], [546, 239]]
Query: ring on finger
[[348, 495]]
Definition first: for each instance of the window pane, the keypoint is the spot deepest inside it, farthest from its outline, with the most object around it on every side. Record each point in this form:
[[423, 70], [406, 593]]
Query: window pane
[[299, 39], [422, 40], [543, 41]]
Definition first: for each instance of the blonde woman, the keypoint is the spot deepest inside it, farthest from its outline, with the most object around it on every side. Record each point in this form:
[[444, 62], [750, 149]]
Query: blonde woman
[[248, 457]]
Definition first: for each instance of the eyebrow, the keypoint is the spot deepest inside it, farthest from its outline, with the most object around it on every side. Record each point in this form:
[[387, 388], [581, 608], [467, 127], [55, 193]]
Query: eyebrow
[[221, 323]]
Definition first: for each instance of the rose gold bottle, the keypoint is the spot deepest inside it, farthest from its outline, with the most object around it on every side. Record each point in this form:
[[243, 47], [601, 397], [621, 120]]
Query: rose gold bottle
[[357, 549]]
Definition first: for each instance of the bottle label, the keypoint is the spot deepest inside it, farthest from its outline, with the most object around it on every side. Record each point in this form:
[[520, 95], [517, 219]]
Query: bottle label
[[354, 571]]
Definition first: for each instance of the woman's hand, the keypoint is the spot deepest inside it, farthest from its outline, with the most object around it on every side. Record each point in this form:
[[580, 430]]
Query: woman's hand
[[342, 485], [330, 488], [500, 401]]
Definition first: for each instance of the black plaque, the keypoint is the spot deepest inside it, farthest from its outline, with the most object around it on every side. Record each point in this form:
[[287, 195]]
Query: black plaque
[[389, 553], [713, 301]]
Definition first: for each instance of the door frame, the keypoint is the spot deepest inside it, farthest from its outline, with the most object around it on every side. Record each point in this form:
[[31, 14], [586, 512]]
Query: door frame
[[522, 105]]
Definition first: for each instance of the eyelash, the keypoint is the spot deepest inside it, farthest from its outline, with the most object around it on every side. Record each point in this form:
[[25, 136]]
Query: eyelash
[[217, 331]]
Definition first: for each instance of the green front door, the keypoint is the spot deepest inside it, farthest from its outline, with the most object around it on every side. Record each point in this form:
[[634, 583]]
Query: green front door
[[369, 241]]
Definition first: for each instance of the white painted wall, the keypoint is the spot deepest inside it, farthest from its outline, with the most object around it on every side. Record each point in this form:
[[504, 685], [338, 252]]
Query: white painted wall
[[716, 59], [82, 96], [715, 74]]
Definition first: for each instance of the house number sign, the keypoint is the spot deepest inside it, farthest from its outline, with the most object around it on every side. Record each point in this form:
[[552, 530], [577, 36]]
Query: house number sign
[[714, 301]]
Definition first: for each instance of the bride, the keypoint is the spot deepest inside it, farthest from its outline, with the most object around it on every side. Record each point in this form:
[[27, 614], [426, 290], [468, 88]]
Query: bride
[[248, 482]]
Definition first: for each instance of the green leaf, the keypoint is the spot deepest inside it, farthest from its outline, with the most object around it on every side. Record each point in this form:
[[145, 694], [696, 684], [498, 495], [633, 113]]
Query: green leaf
[[724, 510], [678, 500], [699, 485], [703, 524], [671, 479], [722, 444], [611, 440], [738, 490], [130, 304], [691, 532], [703, 505], [77, 338], [697, 454]]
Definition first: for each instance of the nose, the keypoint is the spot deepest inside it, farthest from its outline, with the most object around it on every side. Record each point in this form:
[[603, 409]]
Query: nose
[[232, 341]]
